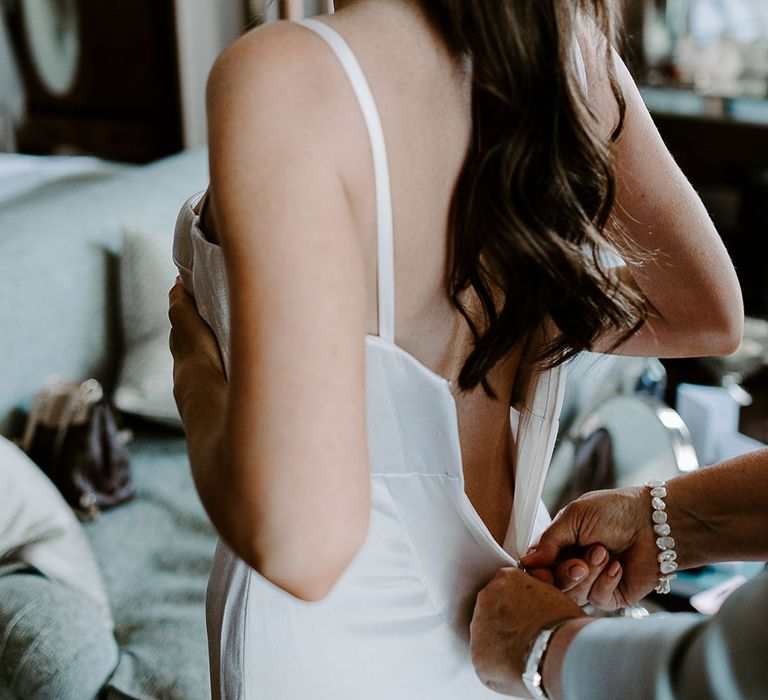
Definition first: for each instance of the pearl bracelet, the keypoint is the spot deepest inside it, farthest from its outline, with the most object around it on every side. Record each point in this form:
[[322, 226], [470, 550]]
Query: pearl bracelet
[[667, 557]]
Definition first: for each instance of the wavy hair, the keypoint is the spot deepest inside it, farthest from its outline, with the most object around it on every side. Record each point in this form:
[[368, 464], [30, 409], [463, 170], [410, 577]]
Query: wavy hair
[[532, 212]]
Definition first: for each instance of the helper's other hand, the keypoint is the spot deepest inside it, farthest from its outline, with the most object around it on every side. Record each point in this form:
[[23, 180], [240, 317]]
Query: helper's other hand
[[510, 611]]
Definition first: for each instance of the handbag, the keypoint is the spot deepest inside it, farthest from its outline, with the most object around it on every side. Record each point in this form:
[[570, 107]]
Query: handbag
[[72, 435]]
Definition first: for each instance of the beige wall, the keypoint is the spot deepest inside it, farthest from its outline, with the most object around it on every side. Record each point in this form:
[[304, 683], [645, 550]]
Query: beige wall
[[204, 28]]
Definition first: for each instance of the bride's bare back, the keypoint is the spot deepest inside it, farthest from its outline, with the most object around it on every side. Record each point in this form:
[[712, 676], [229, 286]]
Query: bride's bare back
[[423, 93]]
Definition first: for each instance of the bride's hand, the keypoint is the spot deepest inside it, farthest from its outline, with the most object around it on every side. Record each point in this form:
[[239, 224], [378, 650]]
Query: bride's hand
[[620, 521], [196, 355]]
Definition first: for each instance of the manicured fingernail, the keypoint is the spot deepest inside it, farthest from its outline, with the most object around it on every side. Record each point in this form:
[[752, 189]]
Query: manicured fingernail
[[577, 572], [614, 568], [598, 555]]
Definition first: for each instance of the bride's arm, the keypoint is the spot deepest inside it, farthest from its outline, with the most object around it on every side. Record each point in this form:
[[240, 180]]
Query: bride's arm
[[690, 284], [286, 477]]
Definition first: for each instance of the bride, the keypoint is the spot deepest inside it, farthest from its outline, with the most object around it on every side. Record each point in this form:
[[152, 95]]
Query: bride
[[401, 245]]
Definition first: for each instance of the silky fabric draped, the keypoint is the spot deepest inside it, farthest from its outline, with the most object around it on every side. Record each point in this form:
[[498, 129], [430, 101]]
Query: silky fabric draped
[[396, 625]]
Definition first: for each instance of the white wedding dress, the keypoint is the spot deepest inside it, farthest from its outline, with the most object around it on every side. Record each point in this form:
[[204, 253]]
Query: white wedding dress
[[396, 626]]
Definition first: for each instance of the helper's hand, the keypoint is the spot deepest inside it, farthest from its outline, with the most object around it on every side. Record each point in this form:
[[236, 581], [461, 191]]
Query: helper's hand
[[510, 611], [196, 355], [620, 521]]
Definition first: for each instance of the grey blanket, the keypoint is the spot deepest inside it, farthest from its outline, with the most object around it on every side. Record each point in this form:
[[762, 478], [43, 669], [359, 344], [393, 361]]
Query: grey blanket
[[155, 553]]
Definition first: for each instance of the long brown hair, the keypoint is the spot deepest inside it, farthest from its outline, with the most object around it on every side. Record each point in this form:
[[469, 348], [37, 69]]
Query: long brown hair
[[532, 209]]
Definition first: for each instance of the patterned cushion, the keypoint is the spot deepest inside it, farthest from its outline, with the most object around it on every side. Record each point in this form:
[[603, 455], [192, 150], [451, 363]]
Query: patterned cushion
[[147, 273]]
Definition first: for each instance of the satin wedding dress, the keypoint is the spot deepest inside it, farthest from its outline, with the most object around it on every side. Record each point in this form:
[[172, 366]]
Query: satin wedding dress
[[396, 626]]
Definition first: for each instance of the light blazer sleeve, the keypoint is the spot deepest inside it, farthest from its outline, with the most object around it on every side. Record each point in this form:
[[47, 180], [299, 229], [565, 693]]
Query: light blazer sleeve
[[676, 657]]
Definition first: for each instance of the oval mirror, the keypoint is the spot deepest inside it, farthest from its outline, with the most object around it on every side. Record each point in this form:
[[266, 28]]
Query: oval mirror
[[52, 33]]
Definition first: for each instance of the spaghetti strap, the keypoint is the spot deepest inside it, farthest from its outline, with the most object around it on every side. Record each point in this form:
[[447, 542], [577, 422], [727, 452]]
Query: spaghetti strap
[[384, 220]]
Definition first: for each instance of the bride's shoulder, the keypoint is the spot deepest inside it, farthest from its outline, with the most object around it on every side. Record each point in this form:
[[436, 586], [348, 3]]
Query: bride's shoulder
[[281, 62], [275, 125]]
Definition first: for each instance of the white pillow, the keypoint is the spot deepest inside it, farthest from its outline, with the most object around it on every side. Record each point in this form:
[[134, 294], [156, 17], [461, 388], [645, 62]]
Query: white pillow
[[147, 273], [39, 528]]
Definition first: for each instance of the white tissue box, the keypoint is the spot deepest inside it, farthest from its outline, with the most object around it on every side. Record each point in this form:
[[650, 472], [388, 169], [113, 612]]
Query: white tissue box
[[712, 415]]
